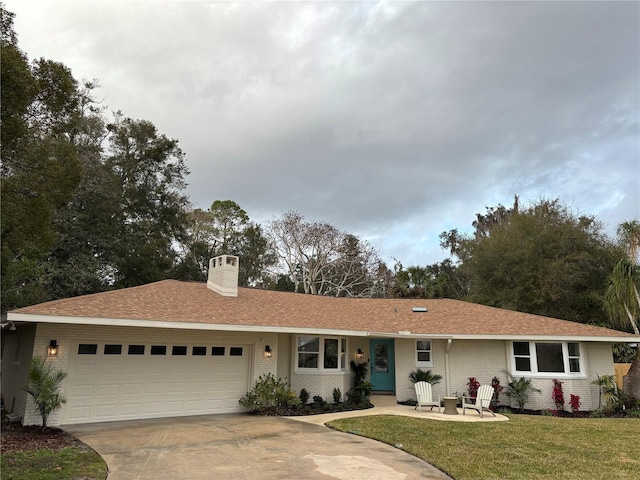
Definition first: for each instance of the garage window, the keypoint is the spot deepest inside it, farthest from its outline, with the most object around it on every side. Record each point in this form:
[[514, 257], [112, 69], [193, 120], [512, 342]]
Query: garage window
[[235, 351], [179, 350], [87, 349], [158, 349], [112, 349], [199, 351], [136, 349], [217, 351]]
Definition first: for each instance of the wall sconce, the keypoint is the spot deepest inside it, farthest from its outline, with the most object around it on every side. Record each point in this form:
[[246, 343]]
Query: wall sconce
[[267, 351], [52, 350], [359, 354]]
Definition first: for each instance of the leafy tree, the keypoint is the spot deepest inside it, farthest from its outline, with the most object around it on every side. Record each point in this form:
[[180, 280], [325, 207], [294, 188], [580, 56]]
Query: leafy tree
[[224, 229], [40, 166], [622, 299], [45, 382], [541, 259], [147, 172], [439, 280]]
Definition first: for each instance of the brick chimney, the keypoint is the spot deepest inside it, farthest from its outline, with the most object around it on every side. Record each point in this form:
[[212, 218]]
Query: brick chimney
[[223, 275]]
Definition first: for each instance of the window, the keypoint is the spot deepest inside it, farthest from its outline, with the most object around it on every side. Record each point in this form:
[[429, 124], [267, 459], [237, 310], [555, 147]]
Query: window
[[217, 351], [308, 352], [158, 349], [322, 353], [547, 358], [178, 350], [87, 349], [112, 349], [423, 353], [235, 351], [136, 349], [199, 351]]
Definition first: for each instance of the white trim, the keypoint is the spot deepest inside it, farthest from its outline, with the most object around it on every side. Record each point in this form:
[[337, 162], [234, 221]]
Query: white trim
[[124, 322], [415, 349], [533, 359], [321, 347]]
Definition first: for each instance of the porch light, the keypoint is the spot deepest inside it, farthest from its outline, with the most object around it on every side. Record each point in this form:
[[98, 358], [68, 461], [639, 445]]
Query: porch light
[[52, 350], [267, 351], [359, 354]]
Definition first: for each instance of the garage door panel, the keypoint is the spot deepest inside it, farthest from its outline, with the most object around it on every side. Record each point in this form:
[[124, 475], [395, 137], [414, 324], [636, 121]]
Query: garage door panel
[[111, 387]]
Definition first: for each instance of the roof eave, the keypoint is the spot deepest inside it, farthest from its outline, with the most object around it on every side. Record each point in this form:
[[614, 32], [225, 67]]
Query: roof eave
[[125, 322]]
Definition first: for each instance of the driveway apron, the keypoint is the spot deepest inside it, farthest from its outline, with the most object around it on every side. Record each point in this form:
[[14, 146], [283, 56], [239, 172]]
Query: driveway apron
[[240, 447]]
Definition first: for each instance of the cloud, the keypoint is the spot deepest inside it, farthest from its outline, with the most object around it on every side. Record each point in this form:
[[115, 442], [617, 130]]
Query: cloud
[[394, 121]]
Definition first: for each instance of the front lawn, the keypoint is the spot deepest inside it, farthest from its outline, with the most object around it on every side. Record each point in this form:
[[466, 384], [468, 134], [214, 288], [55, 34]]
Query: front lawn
[[525, 447]]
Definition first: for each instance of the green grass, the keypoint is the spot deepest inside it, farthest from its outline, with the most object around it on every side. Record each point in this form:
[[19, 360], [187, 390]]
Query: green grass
[[47, 465], [525, 447]]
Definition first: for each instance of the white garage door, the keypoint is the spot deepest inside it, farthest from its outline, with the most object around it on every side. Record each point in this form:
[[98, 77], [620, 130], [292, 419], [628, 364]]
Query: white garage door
[[120, 381]]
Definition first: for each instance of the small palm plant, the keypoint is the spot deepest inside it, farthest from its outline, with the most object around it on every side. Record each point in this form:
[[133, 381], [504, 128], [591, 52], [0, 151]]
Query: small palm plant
[[519, 389], [45, 382], [420, 375], [608, 390]]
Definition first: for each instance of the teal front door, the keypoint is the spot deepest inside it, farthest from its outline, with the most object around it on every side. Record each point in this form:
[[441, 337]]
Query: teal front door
[[383, 375]]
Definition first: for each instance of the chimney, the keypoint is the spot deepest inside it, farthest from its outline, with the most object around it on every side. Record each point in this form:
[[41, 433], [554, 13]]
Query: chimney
[[223, 275]]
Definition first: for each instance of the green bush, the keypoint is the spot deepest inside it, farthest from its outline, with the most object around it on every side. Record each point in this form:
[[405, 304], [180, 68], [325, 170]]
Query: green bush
[[304, 396], [269, 392], [420, 375], [519, 390], [337, 395]]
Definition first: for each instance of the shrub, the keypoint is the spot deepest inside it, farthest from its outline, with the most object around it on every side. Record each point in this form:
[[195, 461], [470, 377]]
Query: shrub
[[574, 402], [45, 382], [497, 390], [472, 387], [608, 389], [269, 392], [318, 400], [519, 390], [420, 375], [337, 395], [557, 394], [304, 396], [361, 390]]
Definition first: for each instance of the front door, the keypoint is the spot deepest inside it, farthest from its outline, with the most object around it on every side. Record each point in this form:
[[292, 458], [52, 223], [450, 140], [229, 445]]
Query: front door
[[383, 377]]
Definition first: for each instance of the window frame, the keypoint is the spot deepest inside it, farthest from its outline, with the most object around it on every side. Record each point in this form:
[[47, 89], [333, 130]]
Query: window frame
[[533, 360], [342, 366], [422, 363]]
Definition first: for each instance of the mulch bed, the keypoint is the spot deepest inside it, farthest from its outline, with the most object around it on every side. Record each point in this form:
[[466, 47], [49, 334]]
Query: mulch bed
[[17, 438]]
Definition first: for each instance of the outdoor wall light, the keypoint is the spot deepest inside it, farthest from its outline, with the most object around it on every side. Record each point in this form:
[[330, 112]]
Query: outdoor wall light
[[267, 351], [359, 354], [52, 350]]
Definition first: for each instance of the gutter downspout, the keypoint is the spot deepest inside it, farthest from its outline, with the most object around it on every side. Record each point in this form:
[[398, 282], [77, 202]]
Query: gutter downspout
[[447, 373]]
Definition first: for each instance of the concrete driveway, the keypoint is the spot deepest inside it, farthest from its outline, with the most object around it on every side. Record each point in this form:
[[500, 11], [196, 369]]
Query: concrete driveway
[[238, 446]]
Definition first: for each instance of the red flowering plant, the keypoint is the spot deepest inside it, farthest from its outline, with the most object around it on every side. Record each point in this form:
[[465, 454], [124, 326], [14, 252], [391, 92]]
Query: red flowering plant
[[497, 389], [557, 394], [575, 403], [472, 387]]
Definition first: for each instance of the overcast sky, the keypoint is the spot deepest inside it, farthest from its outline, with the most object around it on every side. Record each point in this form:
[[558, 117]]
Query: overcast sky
[[394, 121]]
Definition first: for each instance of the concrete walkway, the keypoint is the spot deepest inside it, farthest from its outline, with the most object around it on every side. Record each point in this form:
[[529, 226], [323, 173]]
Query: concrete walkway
[[387, 405]]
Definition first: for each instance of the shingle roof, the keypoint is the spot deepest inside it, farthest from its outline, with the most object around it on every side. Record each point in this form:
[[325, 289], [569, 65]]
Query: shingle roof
[[192, 304]]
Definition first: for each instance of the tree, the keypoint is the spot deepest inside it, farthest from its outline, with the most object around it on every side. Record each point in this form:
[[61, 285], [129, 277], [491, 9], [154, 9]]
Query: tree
[[224, 229], [541, 259], [40, 166], [322, 260], [622, 300], [148, 173], [45, 382]]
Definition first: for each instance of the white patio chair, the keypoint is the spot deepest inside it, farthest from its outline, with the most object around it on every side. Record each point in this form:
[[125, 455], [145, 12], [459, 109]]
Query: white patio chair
[[483, 400], [424, 395]]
